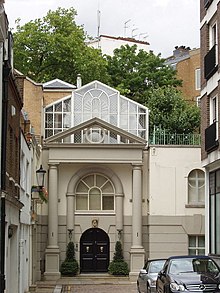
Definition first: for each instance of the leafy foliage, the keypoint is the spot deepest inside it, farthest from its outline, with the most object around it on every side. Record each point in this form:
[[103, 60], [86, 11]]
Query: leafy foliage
[[54, 47], [135, 72], [170, 111], [118, 266], [70, 266]]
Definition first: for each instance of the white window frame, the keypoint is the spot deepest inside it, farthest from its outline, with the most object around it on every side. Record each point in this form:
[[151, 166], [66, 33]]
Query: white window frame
[[213, 38], [197, 248], [195, 187], [197, 79]]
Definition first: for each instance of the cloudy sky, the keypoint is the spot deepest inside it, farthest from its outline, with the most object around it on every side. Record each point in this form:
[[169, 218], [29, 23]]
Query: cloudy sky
[[163, 23]]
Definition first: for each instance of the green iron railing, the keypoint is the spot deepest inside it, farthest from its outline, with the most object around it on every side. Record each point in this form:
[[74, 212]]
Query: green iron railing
[[163, 137]]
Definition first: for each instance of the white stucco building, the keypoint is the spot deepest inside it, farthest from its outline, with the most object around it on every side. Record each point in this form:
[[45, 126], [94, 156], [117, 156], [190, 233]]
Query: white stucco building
[[107, 44], [106, 182]]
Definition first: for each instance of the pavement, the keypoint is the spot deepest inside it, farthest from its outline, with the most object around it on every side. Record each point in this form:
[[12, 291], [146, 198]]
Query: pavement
[[87, 283]]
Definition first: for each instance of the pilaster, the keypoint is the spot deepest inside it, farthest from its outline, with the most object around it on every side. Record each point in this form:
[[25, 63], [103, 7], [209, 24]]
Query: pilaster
[[137, 251], [52, 252]]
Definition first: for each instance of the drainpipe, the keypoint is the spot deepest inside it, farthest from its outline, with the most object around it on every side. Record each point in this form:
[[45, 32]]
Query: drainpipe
[[6, 73]]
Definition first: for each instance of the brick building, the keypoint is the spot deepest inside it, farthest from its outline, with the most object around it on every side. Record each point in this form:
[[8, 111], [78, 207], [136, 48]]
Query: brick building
[[210, 93], [186, 62]]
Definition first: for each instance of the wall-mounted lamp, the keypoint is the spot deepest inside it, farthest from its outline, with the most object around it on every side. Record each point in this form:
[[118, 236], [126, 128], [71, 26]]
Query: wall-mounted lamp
[[40, 176], [119, 233], [42, 192], [70, 234]]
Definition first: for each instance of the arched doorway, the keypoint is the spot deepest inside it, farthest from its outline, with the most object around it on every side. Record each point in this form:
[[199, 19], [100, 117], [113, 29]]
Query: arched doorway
[[94, 251]]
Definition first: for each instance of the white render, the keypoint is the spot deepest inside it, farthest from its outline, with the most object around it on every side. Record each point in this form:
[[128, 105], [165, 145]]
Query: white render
[[108, 44], [151, 214]]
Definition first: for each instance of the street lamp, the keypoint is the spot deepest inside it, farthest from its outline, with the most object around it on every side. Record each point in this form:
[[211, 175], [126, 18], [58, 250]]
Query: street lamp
[[40, 177]]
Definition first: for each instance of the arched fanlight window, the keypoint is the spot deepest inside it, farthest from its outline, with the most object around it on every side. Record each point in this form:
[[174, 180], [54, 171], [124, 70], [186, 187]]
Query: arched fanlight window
[[196, 187], [95, 192]]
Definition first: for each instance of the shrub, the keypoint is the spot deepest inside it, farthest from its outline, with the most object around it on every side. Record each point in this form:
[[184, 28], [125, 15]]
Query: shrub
[[118, 266], [70, 265]]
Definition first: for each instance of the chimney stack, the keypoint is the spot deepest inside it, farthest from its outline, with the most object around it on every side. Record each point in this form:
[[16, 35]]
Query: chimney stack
[[78, 81]]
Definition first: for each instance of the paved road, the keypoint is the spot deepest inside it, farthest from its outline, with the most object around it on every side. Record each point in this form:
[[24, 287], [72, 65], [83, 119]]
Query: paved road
[[100, 288]]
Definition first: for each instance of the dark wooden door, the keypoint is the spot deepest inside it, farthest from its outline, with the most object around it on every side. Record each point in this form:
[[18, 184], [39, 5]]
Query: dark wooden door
[[94, 251]]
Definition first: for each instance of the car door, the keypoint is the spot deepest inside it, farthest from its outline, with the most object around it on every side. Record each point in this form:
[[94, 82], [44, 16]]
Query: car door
[[162, 280], [143, 280]]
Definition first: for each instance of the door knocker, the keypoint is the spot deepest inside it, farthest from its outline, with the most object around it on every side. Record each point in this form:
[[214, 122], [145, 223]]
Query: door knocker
[[87, 248], [101, 248]]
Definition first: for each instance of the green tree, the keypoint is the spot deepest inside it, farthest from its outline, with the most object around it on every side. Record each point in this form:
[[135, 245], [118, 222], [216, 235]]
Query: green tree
[[134, 73], [54, 47], [170, 111]]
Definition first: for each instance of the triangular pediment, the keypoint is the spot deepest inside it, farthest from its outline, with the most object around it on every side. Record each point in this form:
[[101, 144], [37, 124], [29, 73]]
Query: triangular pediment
[[58, 84], [95, 131]]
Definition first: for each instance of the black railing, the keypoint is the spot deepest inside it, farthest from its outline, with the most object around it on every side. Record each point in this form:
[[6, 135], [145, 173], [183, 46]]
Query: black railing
[[211, 140], [210, 63]]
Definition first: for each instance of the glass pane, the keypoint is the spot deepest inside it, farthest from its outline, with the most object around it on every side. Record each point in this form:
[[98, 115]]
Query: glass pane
[[217, 226], [201, 241], [201, 251], [192, 251], [192, 241], [212, 224], [66, 120], [58, 107], [89, 180], [108, 202], [132, 122], [67, 105], [95, 199], [202, 194], [107, 188], [82, 187], [123, 121], [57, 120], [48, 132], [49, 109], [191, 192], [100, 180], [49, 120], [82, 202]]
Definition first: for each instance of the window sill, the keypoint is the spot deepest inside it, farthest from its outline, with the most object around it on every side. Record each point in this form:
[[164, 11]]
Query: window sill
[[199, 205], [95, 213]]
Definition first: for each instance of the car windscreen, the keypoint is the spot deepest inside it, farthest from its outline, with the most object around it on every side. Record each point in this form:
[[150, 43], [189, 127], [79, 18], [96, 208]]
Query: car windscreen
[[185, 265], [156, 266]]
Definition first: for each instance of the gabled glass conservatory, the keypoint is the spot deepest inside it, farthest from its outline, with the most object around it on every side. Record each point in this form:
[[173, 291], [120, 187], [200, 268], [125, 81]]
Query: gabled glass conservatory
[[96, 100]]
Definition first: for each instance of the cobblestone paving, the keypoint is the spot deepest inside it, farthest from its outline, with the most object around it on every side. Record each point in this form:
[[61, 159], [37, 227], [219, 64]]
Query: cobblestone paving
[[100, 288]]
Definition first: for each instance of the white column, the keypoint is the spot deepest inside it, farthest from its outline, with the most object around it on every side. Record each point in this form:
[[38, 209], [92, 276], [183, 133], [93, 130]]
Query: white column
[[137, 251], [119, 215], [137, 207], [53, 208], [52, 251], [70, 214]]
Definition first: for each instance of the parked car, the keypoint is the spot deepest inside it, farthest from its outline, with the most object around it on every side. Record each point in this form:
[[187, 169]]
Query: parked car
[[189, 274], [146, 282]]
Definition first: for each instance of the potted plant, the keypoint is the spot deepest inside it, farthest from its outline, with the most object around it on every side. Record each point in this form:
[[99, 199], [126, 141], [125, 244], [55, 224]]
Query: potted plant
[[118, 266], [70, 265]]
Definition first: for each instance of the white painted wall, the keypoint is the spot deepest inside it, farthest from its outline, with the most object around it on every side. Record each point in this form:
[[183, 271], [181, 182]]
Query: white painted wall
[[168, 190], [108, 45]]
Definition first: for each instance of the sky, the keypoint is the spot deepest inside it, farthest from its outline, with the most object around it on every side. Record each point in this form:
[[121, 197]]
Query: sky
[[164, 24]]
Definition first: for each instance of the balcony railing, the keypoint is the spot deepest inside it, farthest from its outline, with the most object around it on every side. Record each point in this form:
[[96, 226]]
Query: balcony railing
[[211, 142], [210, 63], [164, 137]]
